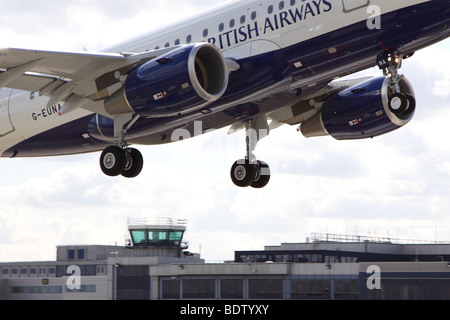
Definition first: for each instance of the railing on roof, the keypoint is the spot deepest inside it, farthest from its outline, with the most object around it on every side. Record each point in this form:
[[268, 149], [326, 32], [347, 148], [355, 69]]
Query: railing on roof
[[157, 221], [330, 237]]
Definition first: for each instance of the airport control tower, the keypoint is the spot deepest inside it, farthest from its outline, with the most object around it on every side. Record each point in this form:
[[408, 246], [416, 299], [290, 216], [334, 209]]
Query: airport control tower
[[157, 237]]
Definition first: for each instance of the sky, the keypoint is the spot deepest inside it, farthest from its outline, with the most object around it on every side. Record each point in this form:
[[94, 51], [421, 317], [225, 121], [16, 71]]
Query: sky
[[397, 185]]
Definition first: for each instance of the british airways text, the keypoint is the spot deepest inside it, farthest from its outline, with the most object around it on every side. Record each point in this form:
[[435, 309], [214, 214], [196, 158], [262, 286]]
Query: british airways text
[[272, 23]]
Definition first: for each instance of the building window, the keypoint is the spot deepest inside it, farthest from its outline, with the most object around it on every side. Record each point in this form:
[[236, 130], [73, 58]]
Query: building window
[[71, 254], [199, 288], [84, 288], [231, 289], [310, 289], [139, 237], [346, 289], [81, 254], [265, 289], [37, 289], [170, 289]]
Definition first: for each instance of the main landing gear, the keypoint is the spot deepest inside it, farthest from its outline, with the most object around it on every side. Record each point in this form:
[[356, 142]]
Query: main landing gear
[[120, 159], [116, 161], [250, 172]]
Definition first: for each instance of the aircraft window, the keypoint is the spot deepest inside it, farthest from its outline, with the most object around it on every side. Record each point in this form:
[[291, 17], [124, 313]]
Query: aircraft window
[[177, 42], [281, 5], [189, 39], [167, 45], [293, 2], [221, 27], [157, 48], [232, 23], [242, 19], [205, 33], [253, 15], [270, 9]]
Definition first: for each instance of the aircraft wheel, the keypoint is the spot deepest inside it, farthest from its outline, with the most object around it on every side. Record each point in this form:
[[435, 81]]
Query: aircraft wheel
[[411, 105], [113, 161], [134, 165], [243, 173], [262, 177]]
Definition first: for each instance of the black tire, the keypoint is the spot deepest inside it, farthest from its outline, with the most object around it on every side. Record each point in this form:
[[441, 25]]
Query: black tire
[[113, 161], [243, 173], [262, 176], [134, 164], [411, 105]]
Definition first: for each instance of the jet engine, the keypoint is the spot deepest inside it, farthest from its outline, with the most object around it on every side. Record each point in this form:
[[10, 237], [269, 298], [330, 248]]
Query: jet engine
[[181, 81], [371, 108]]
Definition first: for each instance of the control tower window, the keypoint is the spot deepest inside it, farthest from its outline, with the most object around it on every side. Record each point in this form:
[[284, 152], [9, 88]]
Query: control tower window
[[176, 236], [139, 236], [155, 236]]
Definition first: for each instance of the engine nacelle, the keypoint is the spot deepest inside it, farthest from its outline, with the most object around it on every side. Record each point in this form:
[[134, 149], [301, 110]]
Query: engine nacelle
[[181, 81], [366, 110]]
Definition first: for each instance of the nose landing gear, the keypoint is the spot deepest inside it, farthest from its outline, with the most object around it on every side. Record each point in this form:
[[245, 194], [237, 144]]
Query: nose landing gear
[[401, 104]]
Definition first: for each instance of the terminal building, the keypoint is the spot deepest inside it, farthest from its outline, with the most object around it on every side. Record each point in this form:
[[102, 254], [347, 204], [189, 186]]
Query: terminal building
[[155, 264]]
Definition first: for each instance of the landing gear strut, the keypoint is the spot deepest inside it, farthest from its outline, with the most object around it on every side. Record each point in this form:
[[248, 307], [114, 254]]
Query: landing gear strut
[[120, 159], [249, 171]]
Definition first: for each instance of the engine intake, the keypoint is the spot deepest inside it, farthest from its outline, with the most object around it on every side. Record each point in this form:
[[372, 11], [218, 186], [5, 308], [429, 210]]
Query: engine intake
[[181, 81], [366, 110]]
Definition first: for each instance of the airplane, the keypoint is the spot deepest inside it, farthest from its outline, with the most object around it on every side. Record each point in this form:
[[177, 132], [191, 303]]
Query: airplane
[[248, 64]]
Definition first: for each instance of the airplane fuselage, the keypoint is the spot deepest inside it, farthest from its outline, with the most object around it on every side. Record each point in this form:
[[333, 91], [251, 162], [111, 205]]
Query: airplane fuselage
[[285, 50]]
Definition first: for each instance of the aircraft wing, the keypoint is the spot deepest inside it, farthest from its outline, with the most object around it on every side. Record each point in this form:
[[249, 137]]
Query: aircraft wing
[[80, 76]]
